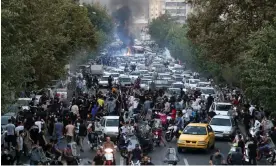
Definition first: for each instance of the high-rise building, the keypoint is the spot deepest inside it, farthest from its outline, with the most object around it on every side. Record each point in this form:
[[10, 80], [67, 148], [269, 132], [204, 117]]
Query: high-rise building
[[178, 9], [155, 8]]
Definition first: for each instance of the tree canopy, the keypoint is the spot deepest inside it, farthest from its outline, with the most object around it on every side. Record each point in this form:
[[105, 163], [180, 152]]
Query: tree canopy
[[40, 37], [232, 41]]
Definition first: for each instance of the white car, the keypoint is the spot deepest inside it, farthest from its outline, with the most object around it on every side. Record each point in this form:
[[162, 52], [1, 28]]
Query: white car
[[223, 126], [110, 126], [103, 82], [191, 83], [203, 84], [178, 85], [206, 91], [134, 75], [115, 76], [221, 108], [124, 80], [145, 84]]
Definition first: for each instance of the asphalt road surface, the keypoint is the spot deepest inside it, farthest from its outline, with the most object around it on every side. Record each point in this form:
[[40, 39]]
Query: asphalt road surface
[[191, 157]]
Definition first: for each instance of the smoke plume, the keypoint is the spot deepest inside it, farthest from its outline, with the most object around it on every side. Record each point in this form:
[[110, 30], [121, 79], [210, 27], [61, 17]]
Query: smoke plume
[[125, 12]]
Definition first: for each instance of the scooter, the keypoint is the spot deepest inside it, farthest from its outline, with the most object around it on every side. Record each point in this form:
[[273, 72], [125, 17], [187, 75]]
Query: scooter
[[109, 157], [135, 163], [95, 139], [171, 132]]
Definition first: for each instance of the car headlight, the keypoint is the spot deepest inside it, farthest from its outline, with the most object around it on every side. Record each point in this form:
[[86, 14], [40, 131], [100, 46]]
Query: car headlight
[[180, 141], [201, 142], [227, 132]]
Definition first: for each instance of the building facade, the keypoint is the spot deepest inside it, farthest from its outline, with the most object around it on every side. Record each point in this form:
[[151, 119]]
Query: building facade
[[155, 8], [178, 9]]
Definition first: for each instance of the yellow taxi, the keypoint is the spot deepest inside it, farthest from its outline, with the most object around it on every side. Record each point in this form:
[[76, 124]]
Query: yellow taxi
[[196, 136]]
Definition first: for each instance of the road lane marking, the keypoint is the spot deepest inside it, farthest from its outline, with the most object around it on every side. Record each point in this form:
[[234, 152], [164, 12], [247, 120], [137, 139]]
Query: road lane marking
[[186, 161], [121, 160]]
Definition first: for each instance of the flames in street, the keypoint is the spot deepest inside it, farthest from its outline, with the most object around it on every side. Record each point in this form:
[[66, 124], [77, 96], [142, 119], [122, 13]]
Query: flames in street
[[128, 51]]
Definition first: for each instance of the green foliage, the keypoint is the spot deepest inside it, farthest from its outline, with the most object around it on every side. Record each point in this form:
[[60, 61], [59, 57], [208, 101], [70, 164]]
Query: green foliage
[[232, 41], [40, 37], [260, 64], [99, 17], [159, 28]]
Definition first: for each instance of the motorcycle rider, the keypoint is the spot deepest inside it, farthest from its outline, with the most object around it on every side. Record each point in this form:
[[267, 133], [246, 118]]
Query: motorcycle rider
[[264, 143], [109, 144], [147, 161], [136, 154], [127, 129], [99, 159], [217, 158]]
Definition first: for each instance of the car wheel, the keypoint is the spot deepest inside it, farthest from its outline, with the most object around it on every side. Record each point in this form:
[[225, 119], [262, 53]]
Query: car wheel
[[179, 150]]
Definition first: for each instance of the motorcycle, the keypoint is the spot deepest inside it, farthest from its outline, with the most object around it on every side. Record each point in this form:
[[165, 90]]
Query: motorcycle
[[135, 163], [171, 132], [109, 157], [76, 154], [264, 153], [232, 149], [95, 139], [271, 160], [164, 120], [156, 137]]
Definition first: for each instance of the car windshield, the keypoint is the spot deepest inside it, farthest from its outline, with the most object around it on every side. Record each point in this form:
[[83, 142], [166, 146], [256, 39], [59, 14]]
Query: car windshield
[[195, 130], [208, 91], [4, 120], [194, 81], [135, 73], [145, 81], [220, 107], [178, 86], [104, 79], [220, 122], [126, 79], [178, 79], [115, 75], [112, 122], [203, 85]]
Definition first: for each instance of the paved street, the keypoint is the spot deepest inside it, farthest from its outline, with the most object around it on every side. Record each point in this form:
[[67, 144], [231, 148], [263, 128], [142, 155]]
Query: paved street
[[190, 157]]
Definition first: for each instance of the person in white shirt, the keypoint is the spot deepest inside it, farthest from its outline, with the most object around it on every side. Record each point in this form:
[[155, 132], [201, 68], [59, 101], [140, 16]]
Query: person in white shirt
[[19, 128], [127, 129], [75, 109], [39, 123], [251, 109]]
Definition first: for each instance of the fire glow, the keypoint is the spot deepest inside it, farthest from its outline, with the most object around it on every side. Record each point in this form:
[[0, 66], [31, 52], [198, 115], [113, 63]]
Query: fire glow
[[128, 52]]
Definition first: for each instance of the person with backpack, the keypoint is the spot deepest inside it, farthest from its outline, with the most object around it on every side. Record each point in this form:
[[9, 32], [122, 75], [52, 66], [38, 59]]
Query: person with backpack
[[217, 158]]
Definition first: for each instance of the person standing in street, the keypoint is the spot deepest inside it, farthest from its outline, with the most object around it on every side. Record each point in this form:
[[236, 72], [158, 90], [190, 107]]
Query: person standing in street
[[252, 148], [10, 139], [19, 148], [58, 130], [82, 134], [69, 130]]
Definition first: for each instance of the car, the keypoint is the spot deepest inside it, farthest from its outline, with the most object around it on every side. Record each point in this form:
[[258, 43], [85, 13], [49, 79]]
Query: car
[[223, 126], [124, 80], [191, 83], [196, 136], [62, 93], [115, 76], [24, 103], [6, 117], [103, 82], [177, 78], [174, 92], [203, 84], [145, 84], [120, 71], [221, 108], [178, 85], [134, 75], [206, 91], [110, 126]]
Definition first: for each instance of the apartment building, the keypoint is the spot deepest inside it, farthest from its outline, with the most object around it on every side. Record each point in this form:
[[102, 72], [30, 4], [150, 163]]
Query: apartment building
[[155, 8], [178, 9]]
